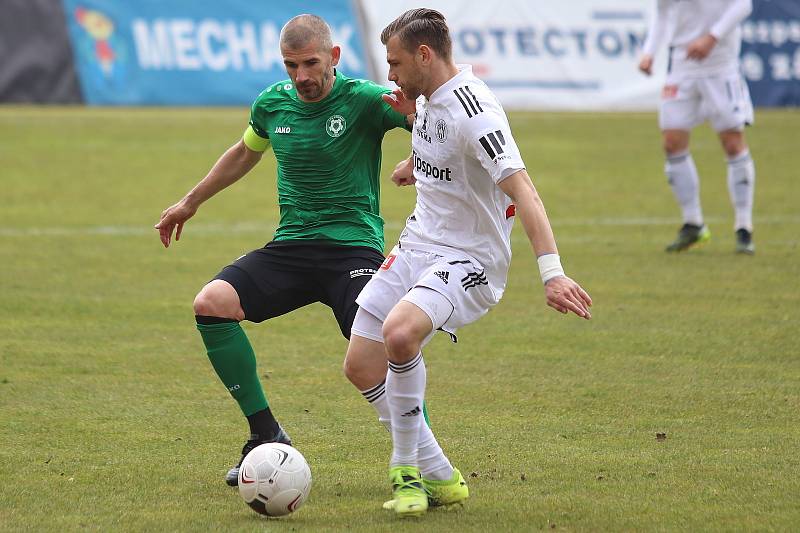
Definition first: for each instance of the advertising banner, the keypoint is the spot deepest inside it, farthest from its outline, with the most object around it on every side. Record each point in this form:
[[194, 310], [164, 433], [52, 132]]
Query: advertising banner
[[575, 55], [185, 52], [771, 52]]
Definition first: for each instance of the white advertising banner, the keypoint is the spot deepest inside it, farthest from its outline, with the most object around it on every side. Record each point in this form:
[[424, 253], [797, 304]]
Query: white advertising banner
[[537, 54]]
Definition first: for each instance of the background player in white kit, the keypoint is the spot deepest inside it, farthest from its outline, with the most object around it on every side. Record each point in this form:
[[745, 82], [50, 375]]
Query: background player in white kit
[[704, 83], [451, 263]]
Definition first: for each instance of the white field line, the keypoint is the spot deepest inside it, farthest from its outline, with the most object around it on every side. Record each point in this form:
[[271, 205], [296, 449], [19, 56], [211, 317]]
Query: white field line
[[265, 228]]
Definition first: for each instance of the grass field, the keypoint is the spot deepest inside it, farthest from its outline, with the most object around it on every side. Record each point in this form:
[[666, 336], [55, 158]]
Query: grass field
[[112, 419]]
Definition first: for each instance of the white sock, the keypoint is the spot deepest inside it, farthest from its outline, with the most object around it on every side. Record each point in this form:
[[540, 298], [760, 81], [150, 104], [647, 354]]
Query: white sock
[[741, 185], [433, 464], [376, 396], [405, 390], [682, 177]]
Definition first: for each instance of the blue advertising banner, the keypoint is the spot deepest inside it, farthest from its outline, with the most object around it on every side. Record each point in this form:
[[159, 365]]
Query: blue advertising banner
[[185, 52], [771, 52]]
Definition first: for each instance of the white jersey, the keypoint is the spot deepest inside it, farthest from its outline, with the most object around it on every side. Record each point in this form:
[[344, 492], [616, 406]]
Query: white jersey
[[462, 148], [682, 21]]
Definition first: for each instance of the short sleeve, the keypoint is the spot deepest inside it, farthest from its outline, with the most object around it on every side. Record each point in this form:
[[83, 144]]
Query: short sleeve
[[488, 138], [257, 117]]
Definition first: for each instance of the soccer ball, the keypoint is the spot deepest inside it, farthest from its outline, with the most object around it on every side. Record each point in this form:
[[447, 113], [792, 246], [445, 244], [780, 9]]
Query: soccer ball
[[274, 479]]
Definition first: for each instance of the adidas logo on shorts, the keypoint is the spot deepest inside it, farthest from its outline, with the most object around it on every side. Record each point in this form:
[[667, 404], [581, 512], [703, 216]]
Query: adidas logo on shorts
[[442, 275]]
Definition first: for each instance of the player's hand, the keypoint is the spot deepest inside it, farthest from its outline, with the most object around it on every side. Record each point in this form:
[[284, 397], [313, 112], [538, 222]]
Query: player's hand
[[172, 217], [564, 295], [646, 64], [403, 173], [701, 47], [400, 103]]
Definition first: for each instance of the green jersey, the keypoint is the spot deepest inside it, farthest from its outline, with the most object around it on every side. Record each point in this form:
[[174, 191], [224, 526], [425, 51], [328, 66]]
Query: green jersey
[[329, 160]]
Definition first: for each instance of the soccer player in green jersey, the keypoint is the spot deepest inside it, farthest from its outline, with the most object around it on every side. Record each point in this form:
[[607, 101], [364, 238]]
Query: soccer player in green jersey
[[325, 130]]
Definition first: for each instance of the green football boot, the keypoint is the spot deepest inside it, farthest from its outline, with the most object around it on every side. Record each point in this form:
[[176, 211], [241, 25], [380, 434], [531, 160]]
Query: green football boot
[[410, 498], [447, 493], [689, 235]]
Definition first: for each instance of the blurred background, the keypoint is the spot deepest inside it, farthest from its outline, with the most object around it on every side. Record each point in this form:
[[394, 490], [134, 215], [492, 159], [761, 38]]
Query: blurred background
[[576, 55]]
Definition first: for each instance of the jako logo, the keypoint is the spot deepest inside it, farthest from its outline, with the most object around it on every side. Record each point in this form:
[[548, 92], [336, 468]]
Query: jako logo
[[442, 174], [283, 129]]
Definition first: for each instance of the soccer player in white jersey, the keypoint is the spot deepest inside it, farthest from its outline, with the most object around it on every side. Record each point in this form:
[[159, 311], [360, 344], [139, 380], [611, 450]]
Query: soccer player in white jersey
[[451, 262], [704, 82]]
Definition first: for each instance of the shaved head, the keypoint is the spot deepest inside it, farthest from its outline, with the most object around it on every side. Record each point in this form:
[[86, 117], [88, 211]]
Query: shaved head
[[309, 57], [303, 30]]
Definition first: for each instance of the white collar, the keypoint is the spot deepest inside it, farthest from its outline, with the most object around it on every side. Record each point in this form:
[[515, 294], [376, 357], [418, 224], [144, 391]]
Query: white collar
[[463, 72]]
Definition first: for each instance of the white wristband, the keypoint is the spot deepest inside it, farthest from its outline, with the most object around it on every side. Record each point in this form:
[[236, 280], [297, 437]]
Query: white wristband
[[550, 267]]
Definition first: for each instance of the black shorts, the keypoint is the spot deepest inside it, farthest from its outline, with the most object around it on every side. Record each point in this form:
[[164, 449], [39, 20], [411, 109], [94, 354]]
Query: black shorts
[[282, 277]]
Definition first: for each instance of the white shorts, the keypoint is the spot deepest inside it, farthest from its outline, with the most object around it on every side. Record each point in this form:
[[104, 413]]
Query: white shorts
[[723, 99], [460, 280]]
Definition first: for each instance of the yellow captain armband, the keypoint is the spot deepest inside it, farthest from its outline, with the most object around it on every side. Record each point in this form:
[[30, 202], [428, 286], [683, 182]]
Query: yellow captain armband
[[254, 141]]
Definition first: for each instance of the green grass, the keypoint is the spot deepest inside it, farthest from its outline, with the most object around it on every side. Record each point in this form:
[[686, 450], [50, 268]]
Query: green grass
[[111, 418]]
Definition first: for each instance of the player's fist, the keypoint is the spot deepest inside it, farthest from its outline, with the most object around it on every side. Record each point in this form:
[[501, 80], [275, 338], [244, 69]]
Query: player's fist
[[400, 103], [403, 173], [564, 295], [701, 47], [646, 64]]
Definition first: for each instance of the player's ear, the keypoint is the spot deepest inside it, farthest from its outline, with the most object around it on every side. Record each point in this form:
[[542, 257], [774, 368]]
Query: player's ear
[[425, 54], [336, 53]]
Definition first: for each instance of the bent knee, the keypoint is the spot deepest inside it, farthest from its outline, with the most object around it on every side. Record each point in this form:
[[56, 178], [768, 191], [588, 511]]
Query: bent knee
[[674, 144], [219, 299], [401, 342], [351, 368], [365, 363], [733, 145]]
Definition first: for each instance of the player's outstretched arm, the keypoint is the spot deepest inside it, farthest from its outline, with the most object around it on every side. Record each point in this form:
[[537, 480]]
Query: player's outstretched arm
[[562, 293], [232, 165]]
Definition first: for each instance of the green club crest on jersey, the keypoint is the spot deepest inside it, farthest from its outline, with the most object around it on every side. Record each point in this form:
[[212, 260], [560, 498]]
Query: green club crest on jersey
[[335, 125]]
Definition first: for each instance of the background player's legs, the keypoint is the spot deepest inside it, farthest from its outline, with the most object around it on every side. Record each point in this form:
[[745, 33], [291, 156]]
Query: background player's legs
[[741, 186], [680, 111], [685, 183], [682, 175], [730, 109]]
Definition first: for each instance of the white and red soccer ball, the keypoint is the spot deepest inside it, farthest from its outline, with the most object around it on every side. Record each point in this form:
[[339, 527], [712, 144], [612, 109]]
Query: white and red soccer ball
[[274, 479]]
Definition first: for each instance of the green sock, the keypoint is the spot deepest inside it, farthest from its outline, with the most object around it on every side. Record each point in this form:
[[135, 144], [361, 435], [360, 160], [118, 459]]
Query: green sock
[[235, 363]]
